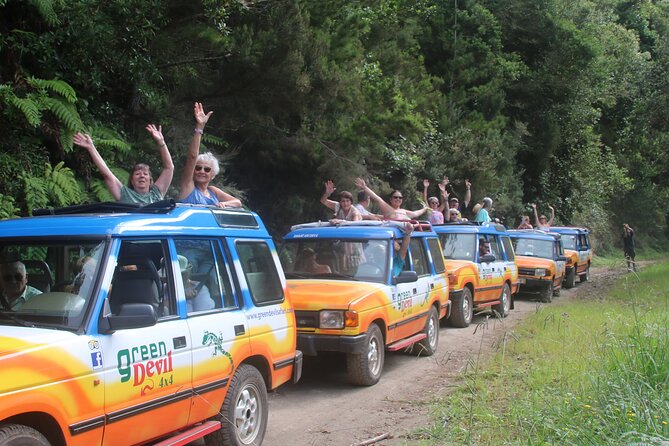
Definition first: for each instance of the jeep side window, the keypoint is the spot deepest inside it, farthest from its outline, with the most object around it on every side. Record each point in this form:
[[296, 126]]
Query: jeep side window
[[508, 249], [260, 271], [419, 257], [495, 248], [137, 278], [198, 266], [437, 257]]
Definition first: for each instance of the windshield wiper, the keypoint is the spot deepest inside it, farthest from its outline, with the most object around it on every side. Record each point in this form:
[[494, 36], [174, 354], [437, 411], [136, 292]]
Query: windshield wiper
[[7, 315]]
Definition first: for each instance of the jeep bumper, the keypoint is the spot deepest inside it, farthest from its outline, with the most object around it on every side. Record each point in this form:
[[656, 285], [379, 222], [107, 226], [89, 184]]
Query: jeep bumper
[[533, 284], [311, 344]]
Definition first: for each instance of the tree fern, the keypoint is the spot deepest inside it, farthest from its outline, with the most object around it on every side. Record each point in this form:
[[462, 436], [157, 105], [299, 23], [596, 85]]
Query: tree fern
[[62, 185], [28, 107], [55, 86], [214, 140], [7, 208], [65, 112], [100, 190], [37, 195], [113, 143]]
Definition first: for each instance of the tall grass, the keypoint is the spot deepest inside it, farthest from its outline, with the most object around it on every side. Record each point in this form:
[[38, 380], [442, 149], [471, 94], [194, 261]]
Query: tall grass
[[594, 371]]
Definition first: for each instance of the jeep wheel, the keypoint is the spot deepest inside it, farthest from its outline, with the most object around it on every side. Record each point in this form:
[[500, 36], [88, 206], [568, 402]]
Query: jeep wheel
[[364, 369], [504, 306], [19, 435], [547, 293], [463, 310], [570, 280], [428, 346], [244, 412], [586, 275]]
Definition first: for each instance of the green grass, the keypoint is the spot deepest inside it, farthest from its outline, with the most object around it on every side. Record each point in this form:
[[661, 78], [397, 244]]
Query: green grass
[[615, 258], [593, 371]]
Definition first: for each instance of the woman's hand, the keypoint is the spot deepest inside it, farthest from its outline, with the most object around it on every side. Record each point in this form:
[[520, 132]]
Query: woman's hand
[[83, 140], [156, 134], [201, 117], [329, 187]]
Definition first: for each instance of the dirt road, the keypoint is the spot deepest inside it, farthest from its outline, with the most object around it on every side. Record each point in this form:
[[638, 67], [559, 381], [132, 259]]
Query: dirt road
[[323, 409]]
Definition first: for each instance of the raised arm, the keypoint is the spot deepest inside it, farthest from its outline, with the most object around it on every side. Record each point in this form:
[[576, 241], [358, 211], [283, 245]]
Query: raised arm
[[468, 193], [550, 222], [225, 200], [426, 184], [165, 178], [329, 189], [186, 185], [444, 194], [386, 209], [113, 184], [415, 214], [536, 216]]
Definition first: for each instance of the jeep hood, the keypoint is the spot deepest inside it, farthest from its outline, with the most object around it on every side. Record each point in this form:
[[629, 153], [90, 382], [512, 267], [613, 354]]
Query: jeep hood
[[533, 262], [456, 265], [314, 295]]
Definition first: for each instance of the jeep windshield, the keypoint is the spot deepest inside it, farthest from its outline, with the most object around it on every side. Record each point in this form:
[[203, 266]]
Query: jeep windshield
[[533, 248], [458, 246], [47, 282], [568, 241], [337, 259]]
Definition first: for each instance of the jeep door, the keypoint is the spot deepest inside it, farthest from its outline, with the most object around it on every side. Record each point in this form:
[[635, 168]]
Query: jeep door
[[216, 323], [491, 274], [147, 370]]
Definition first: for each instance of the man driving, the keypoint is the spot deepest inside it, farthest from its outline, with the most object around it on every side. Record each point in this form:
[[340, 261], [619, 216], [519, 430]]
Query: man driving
[[15, 288]]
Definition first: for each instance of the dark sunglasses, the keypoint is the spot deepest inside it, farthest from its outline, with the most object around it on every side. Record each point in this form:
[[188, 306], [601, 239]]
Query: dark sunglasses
[[205, 168], [15, 277], [399, 197]]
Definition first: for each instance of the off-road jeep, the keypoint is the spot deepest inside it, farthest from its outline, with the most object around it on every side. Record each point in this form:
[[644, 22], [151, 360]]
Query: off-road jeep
[[348, 299], [478, 279], [576, 242], [541, 262], [142, 325]]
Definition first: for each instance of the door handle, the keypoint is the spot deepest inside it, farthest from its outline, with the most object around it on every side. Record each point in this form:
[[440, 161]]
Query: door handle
[[179, 342]]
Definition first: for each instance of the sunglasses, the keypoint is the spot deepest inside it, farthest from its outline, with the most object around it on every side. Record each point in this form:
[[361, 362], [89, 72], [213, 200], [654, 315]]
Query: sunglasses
[[205, 168], [12, 277], [398, 197]]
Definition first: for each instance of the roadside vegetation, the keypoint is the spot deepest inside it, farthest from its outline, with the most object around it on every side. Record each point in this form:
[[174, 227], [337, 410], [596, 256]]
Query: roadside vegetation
[[591, 371]]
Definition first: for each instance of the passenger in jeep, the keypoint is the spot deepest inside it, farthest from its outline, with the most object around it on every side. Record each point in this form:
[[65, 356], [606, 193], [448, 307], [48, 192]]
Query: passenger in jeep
[[307, 262], [541, 222], [525, 222], [394, 210], [401, 250], [436, 212], [15, 288], [484, 247], [141, 187], [198, 297], [344, 209], [454, 203]]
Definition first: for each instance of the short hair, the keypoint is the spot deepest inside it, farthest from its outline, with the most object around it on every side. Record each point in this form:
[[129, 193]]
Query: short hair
[[137, 167], [210, 159], [453, 199], [487, 202], [20, 266], [346, 194], [362, 196]]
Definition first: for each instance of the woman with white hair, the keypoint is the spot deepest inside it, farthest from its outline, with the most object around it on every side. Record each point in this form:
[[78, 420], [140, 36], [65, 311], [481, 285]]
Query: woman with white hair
[[482, 216], [200, 170]]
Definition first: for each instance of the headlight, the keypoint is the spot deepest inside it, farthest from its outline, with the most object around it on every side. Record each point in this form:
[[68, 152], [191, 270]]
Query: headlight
[[540, 272], [332, 319]]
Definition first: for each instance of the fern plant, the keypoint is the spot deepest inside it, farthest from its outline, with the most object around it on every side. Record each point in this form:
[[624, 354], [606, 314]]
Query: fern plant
[[7, 208], [57, 186]]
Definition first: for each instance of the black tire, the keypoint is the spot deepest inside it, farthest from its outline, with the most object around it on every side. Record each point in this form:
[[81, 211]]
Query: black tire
[[570, 280], [428, 346], [586, 275], [462, 309], [244, 412], [364, 369], [547, 293], [504, 306], [20, 435]]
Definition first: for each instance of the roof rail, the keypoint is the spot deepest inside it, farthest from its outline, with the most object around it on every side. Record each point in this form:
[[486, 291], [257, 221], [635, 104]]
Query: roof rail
[[417, 225], [110, 207]]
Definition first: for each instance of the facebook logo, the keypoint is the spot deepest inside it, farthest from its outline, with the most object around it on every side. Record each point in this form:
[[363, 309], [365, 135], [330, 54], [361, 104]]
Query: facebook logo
[[96, 360]]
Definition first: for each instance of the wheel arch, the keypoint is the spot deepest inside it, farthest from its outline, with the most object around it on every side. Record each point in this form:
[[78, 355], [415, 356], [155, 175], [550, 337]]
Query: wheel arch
[[41, 422], [262, 365]]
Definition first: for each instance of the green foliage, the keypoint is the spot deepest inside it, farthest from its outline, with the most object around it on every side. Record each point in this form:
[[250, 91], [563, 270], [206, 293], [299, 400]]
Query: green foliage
[[7, 207], [56, 186]]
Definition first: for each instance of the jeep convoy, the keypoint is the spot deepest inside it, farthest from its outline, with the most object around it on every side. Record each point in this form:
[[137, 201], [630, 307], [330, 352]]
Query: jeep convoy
[[183, 314]]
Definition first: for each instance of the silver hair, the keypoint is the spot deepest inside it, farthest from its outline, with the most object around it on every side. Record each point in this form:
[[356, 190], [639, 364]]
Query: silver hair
[[211, 160], [487, 202], [6, 267]]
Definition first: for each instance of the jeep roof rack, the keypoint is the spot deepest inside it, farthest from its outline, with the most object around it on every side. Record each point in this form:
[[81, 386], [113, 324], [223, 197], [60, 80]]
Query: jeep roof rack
[[418, 225], [110, 207]]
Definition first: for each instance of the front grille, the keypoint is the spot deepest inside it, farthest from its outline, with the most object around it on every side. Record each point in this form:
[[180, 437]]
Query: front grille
[[526, 271], [307, 319]]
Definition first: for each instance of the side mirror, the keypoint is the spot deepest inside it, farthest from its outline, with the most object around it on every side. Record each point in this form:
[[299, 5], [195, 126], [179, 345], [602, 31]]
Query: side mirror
[[130, 316], [405, 277], [487, 258]]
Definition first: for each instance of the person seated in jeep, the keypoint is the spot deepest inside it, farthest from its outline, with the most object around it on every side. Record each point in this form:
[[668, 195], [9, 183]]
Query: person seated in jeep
[[394, 210], [307, 262], [198, 297], [15, 288], [343, 209], [541, 222], [484, 247]]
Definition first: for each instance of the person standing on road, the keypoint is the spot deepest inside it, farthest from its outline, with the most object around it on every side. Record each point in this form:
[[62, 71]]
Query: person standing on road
[[141, 187], [628, 241]]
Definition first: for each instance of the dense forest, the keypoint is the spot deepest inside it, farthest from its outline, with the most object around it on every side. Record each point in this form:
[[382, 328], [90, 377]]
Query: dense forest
[[534, 101]]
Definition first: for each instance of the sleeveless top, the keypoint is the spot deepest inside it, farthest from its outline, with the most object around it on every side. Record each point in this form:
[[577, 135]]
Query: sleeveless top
[[197, 197], [132, 196]]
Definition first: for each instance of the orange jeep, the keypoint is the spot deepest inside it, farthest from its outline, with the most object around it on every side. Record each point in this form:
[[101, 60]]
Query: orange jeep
[[541, 262], [576, 242]]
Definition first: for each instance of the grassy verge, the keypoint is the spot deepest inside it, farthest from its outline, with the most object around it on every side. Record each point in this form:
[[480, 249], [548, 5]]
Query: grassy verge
[[615, 258], [593, 371]]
